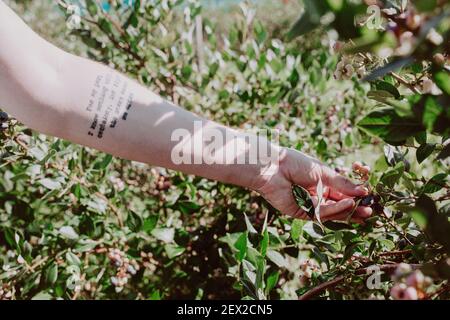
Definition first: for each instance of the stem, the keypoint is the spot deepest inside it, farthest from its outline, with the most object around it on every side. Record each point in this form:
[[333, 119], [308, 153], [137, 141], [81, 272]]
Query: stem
[[338, 280], [405, 82], [395, 253]]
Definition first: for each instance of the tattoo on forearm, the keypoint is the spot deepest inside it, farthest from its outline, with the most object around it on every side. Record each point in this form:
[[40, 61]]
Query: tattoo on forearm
[[109, 103]]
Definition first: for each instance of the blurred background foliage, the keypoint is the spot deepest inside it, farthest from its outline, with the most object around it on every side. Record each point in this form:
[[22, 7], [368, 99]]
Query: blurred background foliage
[[78, 224]]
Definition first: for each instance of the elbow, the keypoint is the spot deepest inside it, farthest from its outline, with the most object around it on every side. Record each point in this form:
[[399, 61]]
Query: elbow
[[32, 94]]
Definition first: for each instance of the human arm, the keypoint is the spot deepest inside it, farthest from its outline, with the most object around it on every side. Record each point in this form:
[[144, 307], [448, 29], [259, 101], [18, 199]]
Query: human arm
[[88, 103]]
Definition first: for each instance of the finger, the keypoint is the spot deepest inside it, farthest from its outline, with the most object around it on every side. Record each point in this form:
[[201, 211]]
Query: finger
[[342, 184], [329, 193], [341, 216], [330, 209], [336, 195], [363, 212]]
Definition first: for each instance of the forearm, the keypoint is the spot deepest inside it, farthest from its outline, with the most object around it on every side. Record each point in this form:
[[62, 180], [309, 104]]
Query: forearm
[[90, 104], [112, 113]]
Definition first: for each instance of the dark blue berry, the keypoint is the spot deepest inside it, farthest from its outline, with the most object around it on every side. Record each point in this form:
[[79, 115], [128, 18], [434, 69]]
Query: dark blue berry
[[3, 116], [367, 201]]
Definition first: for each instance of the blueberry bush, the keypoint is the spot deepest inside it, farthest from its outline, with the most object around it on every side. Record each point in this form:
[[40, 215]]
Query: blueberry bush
[[362, 85]]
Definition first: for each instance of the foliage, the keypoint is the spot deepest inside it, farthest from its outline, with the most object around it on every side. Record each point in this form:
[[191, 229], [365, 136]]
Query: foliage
[[76, 223]]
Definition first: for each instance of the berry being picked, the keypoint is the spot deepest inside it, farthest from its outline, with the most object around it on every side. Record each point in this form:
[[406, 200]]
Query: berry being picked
[[367, 201], [370, 200], [3, 116]]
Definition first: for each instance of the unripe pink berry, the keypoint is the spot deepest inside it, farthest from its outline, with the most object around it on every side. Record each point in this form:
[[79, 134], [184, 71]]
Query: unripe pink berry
[[410, 294], [397, 291], [415, 279]]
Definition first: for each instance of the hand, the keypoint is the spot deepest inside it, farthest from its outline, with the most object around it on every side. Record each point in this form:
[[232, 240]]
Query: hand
[[297, 168]]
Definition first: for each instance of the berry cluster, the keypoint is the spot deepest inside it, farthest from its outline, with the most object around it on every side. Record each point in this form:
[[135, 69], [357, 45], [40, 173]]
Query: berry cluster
[[117, 183], [126, 268], [5, 292], [410, 285], [308, 267], [362, 171], [149, 262]]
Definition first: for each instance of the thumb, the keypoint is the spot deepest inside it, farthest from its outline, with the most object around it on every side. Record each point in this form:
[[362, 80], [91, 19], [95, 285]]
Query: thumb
[[342, 184]]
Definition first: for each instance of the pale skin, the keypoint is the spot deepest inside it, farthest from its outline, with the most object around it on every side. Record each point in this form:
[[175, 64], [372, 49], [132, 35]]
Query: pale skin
[[59, 94]]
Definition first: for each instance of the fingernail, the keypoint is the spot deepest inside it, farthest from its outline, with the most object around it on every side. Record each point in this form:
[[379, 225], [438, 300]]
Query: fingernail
[[363, 189]]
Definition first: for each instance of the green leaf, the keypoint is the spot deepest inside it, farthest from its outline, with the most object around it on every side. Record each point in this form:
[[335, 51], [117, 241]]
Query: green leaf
[[249, 225], [134, 221], [272, 281], [437, 225], [421, 137], [425, 5], [336, 225], [104, 163], [419, 218], [335, 5], [349, 250], [431, 113], [42, 296], [241, 246], [435, 184], [173, 251], [277, 258], [156, 295], [424, 151], [92, 7], [380, 96], [387, 244], [303, 200], [72, 259], [187, 207], [319, 191], [164, 234], [68, 232], [445, 153], [105, 25], [51, 274], [387, 87], [391, 177], [387, 125], [264, 243], [150, 223], [442, 79], [50, 184], [296, 230]]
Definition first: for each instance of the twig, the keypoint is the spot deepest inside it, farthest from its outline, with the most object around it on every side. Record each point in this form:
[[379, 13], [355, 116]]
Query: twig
[[395, 253], [405, 82], [443, 289], [338, 280], [117, 44]]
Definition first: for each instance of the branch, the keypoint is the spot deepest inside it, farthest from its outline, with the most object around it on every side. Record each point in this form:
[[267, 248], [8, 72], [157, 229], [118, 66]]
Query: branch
[[395, 253], [118, 44], [338, 280], [405, 82]]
